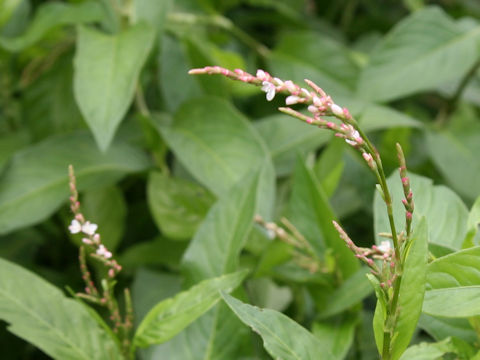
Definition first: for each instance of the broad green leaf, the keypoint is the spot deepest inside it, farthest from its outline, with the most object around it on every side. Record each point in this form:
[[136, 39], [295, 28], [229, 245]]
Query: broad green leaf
[[456, 156], [218, 145], [150, 287], [106, 74], [59, 326], [412, 289], [453, 302], [215, 248], [445, 212], [175, 85], [351, 292], [461, 268], [214, 251], [282, 337], [312, 215], [48, 103], [177, 205], [428, 351], [473, 222], [425, 50], [172, 315], [153, 12], [291, 67], [377, 117], [324, 53], [440, 327], [336, 334], [266, 293], [158, 251], [50, 16], [9, 145], [285, 137], [106, 207], [329, 166], [36, 182]]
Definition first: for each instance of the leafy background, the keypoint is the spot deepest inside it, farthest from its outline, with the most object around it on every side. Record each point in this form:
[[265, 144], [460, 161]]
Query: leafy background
[[174, 167]]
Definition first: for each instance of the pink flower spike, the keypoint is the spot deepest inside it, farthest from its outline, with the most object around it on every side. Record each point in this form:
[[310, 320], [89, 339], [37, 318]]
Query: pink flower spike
[[89, 228], [75, 227]]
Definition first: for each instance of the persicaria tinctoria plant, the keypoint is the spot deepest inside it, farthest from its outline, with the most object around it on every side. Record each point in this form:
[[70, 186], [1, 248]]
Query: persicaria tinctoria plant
[[197, 222], [397, 272]]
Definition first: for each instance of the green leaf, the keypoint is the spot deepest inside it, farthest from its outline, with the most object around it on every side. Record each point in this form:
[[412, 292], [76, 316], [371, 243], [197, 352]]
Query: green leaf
[[453, 302], [461, 268], [159, 251], [425, 50], [153, 12], [50, 16], [428, 351], [329, 166], [106, 73], [351, 292], [412, 289], [473, 223], [440, 328], [326, 54], [218, 145], [445, 212], [46, 319], [312, 215], [336, 334], [172, 315], [282, 337], [175, 85], [106, 207], [36, 182], [215, 248], [214, 251], [177, 205], [285, 137], [456, 156]]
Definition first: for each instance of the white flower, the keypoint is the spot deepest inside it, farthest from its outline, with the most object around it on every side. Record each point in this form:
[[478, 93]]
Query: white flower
[[292, 99], [261, 74], [269, 88], [102, 251], [75, 227], [385, 246], [89, 228], [336, 110]]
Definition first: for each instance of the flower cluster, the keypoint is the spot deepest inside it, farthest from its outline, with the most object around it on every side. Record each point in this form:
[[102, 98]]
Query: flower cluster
[[92, 243], [318, 104]]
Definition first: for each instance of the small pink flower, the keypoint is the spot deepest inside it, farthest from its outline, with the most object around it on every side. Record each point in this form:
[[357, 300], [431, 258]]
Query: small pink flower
[[89, 228], [292, 99], [75, 227], [102, 251], [270, 89], [385, 246], [336, 110], [261, 75]]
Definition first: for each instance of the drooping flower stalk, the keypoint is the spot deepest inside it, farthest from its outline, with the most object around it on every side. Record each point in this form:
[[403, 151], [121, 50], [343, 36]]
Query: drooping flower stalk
[[319, 104]]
